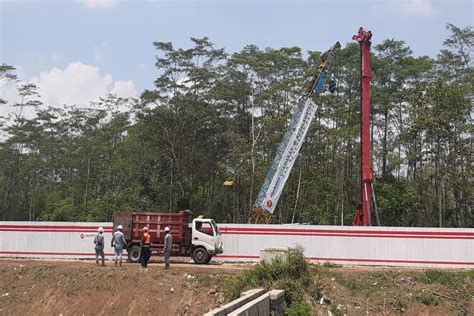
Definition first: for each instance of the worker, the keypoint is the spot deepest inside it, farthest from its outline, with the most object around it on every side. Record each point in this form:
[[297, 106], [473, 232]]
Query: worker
[[145, 249], [99, 246], [118, 243], [167, 247]]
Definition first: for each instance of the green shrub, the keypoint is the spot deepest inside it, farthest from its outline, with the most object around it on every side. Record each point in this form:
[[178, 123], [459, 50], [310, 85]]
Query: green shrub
[[293, 276], [446, 277], [293, 290], [329, 264], [428, 298], [301, 309], [437, 276]]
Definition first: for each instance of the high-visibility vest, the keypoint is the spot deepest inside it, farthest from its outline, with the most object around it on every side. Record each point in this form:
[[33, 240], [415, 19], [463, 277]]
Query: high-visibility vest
[[146, 239]]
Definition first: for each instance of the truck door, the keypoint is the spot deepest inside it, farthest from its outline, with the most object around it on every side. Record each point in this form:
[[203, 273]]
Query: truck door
[[203, 234]]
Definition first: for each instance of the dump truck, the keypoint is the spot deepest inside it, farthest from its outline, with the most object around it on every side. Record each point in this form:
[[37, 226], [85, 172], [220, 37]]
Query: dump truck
[[196, 237]]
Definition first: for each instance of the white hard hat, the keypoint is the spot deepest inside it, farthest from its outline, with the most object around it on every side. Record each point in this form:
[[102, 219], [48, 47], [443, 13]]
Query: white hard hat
[[120, 227], [167, 229], [100, 229]]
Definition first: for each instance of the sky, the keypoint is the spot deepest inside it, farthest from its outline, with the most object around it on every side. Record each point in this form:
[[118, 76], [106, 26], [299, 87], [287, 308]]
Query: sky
[[76, 51]]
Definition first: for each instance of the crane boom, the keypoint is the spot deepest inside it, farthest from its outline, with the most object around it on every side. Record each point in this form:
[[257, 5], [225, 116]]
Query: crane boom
[[366, 214], [293, 139]]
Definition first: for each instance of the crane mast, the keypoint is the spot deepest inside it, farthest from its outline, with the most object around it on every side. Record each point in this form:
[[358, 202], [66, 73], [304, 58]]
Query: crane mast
[[293, 139], [366, 214]]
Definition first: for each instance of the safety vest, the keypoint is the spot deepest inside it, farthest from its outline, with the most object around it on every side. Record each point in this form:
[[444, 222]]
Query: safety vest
[[146, 240]]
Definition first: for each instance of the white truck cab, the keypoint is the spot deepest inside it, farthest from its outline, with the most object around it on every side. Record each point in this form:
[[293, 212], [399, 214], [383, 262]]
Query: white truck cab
[[206, 240]]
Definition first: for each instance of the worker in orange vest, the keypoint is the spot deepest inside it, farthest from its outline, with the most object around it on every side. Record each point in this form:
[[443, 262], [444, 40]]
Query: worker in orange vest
[[145, 251]]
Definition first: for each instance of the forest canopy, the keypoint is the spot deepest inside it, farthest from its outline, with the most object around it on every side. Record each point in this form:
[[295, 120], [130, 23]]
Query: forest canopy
[[216, 117]]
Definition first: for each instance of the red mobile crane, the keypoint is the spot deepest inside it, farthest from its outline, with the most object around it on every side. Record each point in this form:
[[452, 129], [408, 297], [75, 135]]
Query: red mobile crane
[[366, 214]]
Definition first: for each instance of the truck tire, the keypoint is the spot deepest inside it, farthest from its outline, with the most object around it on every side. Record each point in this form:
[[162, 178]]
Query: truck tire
[[133, 253], [200, 256]]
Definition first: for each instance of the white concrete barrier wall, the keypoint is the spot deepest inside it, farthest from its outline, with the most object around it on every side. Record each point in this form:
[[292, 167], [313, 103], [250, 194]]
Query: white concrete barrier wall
[[51, 239], [399, 246], [396, 246]]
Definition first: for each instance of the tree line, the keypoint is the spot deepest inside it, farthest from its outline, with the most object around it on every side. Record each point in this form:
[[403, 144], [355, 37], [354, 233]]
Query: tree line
[[215, 116]]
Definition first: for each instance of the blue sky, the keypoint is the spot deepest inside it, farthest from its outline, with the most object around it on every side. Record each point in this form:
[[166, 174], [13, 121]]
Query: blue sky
[[111, 41]]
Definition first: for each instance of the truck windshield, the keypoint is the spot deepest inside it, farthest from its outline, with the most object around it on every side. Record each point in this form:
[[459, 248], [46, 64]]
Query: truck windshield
[[216, 229]]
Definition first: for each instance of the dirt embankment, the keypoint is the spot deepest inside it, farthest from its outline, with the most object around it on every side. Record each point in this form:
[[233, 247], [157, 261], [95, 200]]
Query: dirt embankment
[[39, 287], [396, 291], [36, 287]]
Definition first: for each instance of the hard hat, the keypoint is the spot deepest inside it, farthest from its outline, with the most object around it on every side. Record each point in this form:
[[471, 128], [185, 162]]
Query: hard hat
[[167, 229], [100, 229], [145, 228], [120, 227]]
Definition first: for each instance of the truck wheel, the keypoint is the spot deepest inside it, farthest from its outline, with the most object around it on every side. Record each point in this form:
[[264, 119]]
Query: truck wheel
[[200, 256], [134, 254]]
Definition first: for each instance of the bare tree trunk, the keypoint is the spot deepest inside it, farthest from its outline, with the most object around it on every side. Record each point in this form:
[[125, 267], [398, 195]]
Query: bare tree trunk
[[297, 196], [384, 147], [87, 182], [5, 196]]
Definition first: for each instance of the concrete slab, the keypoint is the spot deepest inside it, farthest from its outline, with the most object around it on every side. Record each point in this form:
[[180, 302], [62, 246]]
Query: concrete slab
[[257, 307], [244, 298]]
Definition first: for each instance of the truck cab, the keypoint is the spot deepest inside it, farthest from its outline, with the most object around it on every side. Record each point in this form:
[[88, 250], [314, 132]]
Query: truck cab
[[206, 240]]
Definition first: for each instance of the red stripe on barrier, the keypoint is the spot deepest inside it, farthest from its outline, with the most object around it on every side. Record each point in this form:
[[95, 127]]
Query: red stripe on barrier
[[358, 260], [54, 226], [55, 230], [347, 231], [54, 253], [238, 257], [392, 261], [345, 235], [256, 257], [266, 231], [256, 230]]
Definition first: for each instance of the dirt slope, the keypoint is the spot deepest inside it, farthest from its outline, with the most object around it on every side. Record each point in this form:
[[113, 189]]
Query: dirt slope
[[396, 291], [40, 287], [34, 287]]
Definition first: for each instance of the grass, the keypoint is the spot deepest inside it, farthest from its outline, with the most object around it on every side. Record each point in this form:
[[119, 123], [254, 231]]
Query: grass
[[293, 276], [300, 309], [427, 298], [446, 277], [387, 290]]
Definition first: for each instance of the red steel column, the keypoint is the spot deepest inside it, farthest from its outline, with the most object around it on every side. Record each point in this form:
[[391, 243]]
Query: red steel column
[[364, 216]]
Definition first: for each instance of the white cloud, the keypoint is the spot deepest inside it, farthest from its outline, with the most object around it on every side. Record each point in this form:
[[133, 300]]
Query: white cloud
[[124, 89], [411, 7], [100, 4], [78, 84]]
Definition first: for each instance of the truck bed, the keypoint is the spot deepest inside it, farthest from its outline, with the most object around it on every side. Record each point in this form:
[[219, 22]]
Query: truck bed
[[133, 223]]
